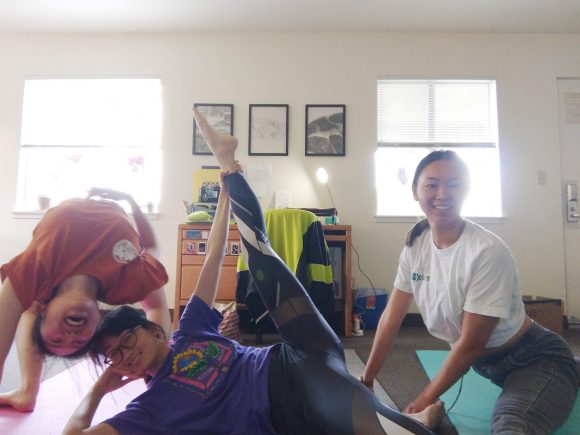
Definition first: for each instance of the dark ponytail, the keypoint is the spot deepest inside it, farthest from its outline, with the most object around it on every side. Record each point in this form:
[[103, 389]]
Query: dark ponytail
[[416, 231]]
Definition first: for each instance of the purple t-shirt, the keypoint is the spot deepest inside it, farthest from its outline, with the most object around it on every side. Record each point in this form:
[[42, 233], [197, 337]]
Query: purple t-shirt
[[207, 385]]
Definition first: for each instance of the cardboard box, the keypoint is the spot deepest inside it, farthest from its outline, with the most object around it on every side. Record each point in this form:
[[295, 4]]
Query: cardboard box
[[546, 311]]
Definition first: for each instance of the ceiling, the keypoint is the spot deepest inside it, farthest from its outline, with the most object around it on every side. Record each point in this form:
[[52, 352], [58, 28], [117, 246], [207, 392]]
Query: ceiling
[[137, 16]]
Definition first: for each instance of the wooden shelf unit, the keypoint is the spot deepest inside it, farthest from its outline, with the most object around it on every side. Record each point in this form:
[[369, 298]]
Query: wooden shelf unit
[[340, 235], [191, 242]]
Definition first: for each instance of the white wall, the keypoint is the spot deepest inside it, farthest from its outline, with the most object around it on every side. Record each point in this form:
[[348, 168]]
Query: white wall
[[299, 69]]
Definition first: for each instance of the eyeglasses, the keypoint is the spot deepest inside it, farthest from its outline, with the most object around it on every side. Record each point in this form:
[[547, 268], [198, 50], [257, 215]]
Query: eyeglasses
[[127, 342]]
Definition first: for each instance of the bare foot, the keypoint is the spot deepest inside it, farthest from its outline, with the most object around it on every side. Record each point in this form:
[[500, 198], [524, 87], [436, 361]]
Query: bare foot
[[430, 416], [223, 146]]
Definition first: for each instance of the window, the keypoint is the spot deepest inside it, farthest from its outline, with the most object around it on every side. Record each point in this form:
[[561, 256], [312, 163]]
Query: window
[[415, 117], [78, 133]]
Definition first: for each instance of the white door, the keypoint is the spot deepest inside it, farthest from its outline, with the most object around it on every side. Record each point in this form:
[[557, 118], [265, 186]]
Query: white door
[[569, 115]]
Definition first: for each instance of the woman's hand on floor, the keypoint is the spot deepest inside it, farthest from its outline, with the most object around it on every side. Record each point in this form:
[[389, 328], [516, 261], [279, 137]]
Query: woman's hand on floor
[[19, 400]]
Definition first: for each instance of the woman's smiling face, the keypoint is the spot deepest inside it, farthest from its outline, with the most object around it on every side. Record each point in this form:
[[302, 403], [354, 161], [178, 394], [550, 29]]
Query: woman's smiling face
[[440, 190], [124, 351]]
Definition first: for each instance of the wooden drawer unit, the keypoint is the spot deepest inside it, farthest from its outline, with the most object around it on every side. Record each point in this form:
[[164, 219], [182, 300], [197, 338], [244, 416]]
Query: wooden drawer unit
[[190, 269], [191, 249]]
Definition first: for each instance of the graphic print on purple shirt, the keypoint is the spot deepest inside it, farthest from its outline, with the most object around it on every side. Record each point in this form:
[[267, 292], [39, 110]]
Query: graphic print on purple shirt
[[200, 366]]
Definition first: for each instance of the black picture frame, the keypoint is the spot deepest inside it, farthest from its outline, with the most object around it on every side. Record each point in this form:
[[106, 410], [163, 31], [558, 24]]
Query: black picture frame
[[325, 130], [268, 130], [219, 116]]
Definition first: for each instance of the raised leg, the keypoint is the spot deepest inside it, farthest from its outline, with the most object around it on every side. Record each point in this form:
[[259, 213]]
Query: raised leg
[[297, 319], [333, 399]]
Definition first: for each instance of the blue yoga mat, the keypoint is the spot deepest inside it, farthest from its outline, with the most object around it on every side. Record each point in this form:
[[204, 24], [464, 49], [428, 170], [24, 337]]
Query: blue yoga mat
[[471, 415]]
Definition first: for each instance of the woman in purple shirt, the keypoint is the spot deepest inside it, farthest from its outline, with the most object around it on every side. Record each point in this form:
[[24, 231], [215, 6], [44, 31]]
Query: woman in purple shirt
[[206, 383]]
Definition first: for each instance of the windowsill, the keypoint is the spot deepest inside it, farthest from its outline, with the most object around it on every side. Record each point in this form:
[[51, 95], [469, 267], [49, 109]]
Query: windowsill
[[414, 219], [38, 214]]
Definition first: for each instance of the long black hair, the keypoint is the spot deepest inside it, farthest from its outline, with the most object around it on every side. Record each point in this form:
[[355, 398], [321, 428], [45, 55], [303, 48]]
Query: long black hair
[[433, 156]]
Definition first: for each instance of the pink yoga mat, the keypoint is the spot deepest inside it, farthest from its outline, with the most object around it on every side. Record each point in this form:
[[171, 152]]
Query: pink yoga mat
[[58, 398]]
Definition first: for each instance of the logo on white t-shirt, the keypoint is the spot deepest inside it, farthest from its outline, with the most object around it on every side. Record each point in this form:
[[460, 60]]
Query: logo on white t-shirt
[[415, 276], [124, 251]]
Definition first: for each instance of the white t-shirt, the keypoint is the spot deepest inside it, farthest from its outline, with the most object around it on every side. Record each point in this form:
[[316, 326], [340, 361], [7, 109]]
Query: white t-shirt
[[476, 274]]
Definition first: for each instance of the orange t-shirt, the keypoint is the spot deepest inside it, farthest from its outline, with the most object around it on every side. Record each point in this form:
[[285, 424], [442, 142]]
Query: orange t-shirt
[[85, 237]]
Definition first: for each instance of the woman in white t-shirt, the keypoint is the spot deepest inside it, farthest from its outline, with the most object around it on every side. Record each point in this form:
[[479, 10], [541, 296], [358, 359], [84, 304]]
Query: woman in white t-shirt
[[464, 280]]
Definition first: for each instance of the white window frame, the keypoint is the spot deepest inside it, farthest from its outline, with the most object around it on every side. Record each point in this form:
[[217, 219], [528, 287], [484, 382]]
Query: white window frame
[[416, 133], [57, 122]]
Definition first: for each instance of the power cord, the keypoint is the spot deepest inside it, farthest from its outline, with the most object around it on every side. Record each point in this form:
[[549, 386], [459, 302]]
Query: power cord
[[362, 310], [360, 269], [456, 398]]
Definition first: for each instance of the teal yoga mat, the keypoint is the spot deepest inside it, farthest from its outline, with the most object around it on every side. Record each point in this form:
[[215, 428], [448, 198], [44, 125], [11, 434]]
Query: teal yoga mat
[[471, 414]]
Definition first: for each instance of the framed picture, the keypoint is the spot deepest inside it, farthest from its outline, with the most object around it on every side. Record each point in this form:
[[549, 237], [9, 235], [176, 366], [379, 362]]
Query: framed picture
[[325, 129], [235, 248], [192, 234], [220, 117], [268, 132], [189, 248]]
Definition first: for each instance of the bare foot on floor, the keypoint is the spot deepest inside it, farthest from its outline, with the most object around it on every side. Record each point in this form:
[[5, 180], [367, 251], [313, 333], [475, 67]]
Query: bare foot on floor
[[223, 146], [430, 416]]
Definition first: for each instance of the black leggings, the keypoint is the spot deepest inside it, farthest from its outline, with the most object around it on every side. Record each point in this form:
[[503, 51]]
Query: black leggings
[[311, 391]]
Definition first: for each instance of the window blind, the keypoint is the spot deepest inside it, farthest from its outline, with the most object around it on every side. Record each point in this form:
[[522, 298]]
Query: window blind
[[447, 113]]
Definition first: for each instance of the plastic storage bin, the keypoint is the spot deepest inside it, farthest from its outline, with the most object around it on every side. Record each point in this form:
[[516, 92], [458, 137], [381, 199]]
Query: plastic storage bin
[[369, 305]]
